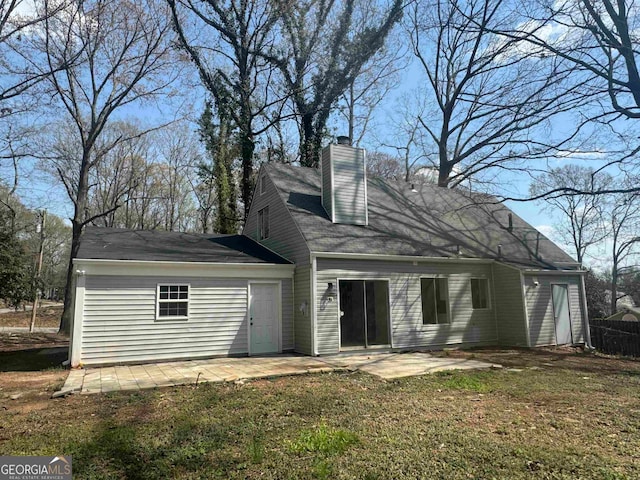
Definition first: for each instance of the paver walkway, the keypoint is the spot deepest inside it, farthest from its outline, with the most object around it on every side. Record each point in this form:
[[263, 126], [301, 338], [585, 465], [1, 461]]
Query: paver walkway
[[136, 377]]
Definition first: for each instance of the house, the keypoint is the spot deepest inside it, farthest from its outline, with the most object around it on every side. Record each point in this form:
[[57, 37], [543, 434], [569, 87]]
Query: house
[[329, 261]]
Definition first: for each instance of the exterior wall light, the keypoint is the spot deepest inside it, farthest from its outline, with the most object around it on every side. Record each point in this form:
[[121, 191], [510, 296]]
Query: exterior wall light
[[331, 291]]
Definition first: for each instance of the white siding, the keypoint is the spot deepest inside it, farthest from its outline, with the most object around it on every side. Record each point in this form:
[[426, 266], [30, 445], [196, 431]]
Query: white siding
[[302, 317], [119, 323], [468, 326], [327, 193], [540, 308], [284, 236], [510, 312], [343, 166]]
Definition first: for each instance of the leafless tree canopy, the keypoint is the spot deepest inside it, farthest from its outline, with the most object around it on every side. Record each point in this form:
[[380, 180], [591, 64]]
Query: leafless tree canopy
[[320, 54], [582, 224], [488, 102], [225, 41], [117, 53]]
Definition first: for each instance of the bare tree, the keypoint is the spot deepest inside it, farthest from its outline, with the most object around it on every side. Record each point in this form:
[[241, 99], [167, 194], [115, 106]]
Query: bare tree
[[115, 179], [376, 79], [320, 54], [20, 68], [624, 218], [582, 223], [231, 66], [383, 165], [597, 37], [177, 153], [492, 100], [598, 40], [122, 53]]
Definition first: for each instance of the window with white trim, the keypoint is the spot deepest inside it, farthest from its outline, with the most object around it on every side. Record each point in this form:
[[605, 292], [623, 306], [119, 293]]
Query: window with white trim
[[263, 223], [173, 301], [479, 293], [435, 300]]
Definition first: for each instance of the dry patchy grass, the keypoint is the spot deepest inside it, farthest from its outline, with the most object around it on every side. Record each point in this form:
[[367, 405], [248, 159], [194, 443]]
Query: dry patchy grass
[[46, 316], [553, 414]]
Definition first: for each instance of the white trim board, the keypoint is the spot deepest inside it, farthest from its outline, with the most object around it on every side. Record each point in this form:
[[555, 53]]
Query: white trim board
[[182, 269]]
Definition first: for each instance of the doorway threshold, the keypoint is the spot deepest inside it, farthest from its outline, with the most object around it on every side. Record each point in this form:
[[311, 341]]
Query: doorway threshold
[[371, 349]]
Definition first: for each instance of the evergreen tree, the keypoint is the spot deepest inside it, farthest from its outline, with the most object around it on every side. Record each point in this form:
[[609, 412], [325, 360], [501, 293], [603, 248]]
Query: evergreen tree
[[15, 267]]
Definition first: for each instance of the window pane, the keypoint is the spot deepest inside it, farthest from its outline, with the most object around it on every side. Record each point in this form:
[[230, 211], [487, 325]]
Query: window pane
[[164, 292], [173, 309], [442, 293], [479, 293], [261, 224], [427, 289]]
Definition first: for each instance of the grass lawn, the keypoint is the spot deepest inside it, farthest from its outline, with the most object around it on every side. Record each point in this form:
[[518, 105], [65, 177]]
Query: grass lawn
[[550, 414]]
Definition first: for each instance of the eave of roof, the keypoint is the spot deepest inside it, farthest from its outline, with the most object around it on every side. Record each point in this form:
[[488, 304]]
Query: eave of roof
[[157, 246]]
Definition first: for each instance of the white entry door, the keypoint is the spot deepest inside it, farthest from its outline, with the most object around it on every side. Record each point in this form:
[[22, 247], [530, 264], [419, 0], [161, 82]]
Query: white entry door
[[263, 318], [562, 314]]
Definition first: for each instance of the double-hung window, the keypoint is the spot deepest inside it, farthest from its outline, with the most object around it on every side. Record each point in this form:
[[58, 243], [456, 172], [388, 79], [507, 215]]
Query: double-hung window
[[173, 301], [479, 293], [435, 300]]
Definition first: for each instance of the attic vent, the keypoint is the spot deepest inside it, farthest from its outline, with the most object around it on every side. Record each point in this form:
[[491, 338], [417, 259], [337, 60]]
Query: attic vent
[[344, 183]]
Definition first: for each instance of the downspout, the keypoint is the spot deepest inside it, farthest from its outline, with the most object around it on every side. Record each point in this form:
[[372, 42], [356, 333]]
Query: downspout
[[75, 342], [526, 310], [314, 319], [585, 315]]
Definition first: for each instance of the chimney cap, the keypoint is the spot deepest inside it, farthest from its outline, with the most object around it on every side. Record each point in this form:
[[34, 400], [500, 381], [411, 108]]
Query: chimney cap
[[343, 140]]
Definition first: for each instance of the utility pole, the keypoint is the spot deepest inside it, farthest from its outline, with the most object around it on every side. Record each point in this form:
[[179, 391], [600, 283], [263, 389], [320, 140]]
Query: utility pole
[[40, 226]]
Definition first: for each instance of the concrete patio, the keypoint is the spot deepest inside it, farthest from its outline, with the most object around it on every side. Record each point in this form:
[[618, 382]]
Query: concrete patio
[[138, 377]]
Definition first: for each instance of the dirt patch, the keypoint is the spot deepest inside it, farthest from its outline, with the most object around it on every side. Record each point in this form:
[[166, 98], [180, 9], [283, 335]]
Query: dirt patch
[[13, 342], [46, 316], [574, 358], [30, 369]]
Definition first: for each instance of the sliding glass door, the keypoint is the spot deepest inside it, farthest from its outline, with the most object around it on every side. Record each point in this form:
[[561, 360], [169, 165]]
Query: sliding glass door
[[364, 313]]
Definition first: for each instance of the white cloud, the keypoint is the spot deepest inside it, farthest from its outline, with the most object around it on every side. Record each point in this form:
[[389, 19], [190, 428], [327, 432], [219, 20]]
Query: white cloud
[[547, 230]]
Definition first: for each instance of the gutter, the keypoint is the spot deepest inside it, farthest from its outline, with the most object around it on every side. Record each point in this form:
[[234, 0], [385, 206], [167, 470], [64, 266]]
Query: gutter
[[538, 271], [405, 258], [164, 263]]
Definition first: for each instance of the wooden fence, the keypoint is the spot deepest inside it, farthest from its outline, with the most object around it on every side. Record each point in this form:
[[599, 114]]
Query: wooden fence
[[616, 337]]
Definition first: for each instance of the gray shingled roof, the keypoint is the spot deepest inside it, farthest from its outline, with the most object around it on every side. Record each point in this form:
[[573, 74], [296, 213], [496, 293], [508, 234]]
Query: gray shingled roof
[[434, 222], [120, 244]]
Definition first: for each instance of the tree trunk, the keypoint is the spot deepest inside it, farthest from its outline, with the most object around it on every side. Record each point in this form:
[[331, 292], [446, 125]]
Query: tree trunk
[[309, 157], [614, 289], [69, 295], [79, 217], [247, 148]]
